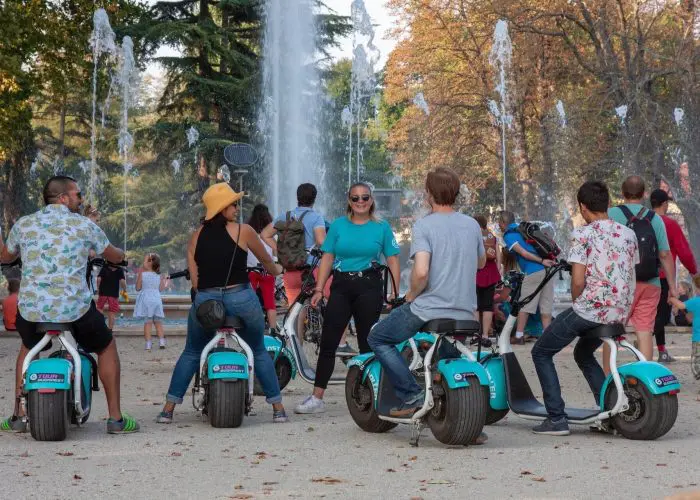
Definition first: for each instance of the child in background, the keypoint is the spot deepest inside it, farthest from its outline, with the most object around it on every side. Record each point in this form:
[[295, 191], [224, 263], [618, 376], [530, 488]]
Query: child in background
[[109, 281], [680, 317], [263, 283], [692, 306], [9, 305], [149, 304]]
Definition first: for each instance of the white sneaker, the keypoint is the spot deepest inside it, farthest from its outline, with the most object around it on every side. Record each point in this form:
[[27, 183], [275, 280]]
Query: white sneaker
[[310, 405], [148, 345], [161, 343]]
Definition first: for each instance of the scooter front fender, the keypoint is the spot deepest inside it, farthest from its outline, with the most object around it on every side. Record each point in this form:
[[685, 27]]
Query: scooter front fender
[[498, 397], [48, 373], [655, 376], [455, 371], [227, 365]]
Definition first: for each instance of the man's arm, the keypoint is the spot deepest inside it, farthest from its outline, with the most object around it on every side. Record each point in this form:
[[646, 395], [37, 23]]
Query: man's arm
[[685, 253], [6, 256], [578, 280], [319, 235], [530, 256], [419, 275], [669, 268]]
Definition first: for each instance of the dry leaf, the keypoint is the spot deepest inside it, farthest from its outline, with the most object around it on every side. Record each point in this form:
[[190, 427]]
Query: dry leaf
[[269, 483], [326, 480], [24, 455], [26, 474], [439, 481], [176, 454], [476, 478], [525, 473], [238, 496], [238, 487], [390, 470], [65, 453], [539, 479], [75, 476], [661, 465], [413, 458]]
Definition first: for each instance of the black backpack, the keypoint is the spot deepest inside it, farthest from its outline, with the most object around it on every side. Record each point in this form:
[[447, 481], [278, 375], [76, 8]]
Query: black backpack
[[544, 245], [648, 267]]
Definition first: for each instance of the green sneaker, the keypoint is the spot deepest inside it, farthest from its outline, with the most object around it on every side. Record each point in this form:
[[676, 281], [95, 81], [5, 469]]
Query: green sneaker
[[14, 424], [126, 425]]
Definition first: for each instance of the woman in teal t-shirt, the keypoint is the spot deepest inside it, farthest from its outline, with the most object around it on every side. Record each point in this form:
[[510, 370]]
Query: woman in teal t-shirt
[[353, 243]]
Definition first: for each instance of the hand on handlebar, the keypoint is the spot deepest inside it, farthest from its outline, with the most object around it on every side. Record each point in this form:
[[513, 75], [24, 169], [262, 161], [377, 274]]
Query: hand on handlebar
[[548, 262]]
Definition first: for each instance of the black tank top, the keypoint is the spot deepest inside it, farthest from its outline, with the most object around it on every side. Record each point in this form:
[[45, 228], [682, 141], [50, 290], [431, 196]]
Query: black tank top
[[213, 254]]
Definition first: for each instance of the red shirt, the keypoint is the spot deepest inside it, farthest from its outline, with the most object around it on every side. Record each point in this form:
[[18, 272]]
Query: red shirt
[[679, 246], [9, 311]]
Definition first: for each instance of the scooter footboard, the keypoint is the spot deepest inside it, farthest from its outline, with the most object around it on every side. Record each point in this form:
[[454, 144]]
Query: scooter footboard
[[655, 376], [455, 372], [227, 365], [48, 373]]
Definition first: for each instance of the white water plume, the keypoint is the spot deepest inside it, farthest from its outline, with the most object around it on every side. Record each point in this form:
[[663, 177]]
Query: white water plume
[[224, 174], [420, 102], [102, 42], [291, 106], [176, 166], [621, 112], [500, 59], [678, 115], [562, 114]]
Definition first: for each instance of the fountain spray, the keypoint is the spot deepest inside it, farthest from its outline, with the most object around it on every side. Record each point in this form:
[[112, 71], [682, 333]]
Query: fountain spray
[[500, 59], [102, 42]]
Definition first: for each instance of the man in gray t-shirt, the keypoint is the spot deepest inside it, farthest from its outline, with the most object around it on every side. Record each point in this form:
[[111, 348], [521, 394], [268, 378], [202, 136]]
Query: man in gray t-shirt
[[447, 249]]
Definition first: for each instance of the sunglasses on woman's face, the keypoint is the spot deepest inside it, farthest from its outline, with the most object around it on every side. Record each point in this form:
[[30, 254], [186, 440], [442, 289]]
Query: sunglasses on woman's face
[[356, 198]]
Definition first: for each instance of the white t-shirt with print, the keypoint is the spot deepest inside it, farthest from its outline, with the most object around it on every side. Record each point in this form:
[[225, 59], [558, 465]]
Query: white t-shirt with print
[[609, 251]]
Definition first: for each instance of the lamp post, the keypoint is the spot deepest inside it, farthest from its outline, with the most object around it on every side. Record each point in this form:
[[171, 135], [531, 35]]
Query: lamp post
[[240, 174]]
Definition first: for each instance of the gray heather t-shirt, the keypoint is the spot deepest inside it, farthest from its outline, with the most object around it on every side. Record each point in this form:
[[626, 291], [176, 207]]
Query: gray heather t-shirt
[[455, 244]]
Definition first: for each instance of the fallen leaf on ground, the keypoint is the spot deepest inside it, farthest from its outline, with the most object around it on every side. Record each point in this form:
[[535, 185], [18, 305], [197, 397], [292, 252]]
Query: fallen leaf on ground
[[26, 474], [327, 480], [439, 481], [661, 465], [176, 454], [413, 458], [24, 455], [390, 470], [539, 479], [269, 483], [476, 478], [75, 476], [525, 473], [241, 496], [65, 453]]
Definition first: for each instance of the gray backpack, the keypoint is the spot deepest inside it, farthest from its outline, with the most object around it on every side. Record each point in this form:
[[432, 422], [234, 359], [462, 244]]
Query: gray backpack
[[291, 242]]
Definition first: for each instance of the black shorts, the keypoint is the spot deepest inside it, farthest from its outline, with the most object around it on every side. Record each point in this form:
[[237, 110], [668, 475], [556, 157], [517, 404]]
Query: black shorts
[[90, 331], [484, 298]]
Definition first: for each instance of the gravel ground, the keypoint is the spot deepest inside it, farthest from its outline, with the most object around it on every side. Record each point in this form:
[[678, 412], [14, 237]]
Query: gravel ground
[[328, 456]]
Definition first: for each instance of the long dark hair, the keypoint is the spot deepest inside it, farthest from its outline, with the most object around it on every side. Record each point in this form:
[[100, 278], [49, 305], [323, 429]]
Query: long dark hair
[[260, 218]]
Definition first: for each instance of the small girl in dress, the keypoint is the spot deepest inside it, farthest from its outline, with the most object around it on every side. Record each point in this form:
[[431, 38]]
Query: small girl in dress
[[149, 305]]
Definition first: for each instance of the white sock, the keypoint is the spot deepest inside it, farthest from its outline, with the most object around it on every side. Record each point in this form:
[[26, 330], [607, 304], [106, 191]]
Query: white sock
[[519, 335]]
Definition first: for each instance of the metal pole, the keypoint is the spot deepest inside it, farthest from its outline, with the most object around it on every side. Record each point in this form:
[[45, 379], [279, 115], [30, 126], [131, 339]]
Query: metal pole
[[240, 205]]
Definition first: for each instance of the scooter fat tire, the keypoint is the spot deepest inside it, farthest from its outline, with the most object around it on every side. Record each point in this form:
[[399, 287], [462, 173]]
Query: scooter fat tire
[[226, 402], [459, 415], [656, 413], [48, 415], [363, 412], [283, 369], [493, 416]]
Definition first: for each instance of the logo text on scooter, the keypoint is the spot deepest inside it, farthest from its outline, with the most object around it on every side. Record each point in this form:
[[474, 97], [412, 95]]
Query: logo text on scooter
[[57, 378], [666, 380], [228, 368]]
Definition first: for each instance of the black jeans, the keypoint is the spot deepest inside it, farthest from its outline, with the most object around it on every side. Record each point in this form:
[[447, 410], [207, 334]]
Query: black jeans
[[563, 330], [663, 314], [359, 297]]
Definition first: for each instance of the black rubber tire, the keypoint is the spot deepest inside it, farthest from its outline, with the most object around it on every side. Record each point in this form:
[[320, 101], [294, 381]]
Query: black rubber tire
[[362, 411], [283, 368], [649, 417], [48, 415], [459, 416], [226, 402], [493, 416]]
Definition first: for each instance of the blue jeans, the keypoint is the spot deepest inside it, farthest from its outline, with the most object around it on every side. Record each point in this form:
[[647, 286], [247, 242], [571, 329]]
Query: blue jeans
[[563, 330], [244, 304], [401, 324]]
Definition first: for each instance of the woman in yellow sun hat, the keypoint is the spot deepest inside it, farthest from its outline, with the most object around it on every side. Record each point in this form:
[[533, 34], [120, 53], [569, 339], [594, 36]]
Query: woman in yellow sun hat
[[217, 261]]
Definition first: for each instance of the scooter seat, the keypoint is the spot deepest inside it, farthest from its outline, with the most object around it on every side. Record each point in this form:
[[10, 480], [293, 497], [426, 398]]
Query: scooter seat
[[446, 326], [53, 327], [611, 331], [233, 322]]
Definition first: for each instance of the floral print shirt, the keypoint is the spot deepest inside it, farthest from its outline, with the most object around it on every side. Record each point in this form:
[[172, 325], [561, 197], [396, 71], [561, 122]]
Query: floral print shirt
[[609, 251], [54, 244]]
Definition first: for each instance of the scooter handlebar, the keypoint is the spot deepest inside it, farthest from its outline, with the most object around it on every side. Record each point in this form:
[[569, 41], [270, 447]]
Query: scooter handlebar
[[180, 274]]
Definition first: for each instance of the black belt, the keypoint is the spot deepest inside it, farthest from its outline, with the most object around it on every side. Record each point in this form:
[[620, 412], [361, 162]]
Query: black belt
[[370, 271]]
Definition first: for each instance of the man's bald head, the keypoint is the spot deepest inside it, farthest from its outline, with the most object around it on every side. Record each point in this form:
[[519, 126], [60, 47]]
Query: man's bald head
[[633, 188]]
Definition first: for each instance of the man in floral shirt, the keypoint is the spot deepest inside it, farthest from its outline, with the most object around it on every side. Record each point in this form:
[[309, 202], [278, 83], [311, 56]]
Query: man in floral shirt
[[602, 256], [54, 244]]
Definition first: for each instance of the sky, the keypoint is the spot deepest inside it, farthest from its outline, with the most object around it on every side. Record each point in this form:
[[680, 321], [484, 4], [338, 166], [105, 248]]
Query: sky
[[377, 10]]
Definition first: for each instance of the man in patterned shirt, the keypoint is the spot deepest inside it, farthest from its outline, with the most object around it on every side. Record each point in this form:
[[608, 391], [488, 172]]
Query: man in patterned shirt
[[54, 244], [602, 256]]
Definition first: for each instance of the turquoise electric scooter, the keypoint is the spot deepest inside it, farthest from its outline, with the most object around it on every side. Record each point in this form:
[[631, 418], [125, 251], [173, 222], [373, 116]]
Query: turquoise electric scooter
[[638, 399]]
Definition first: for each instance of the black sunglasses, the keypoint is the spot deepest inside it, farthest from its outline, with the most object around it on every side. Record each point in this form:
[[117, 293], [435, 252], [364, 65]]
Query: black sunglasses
[[365, 197]]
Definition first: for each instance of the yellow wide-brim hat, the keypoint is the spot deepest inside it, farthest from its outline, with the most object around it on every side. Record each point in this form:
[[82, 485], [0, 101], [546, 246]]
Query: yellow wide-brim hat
[[218, 197]]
